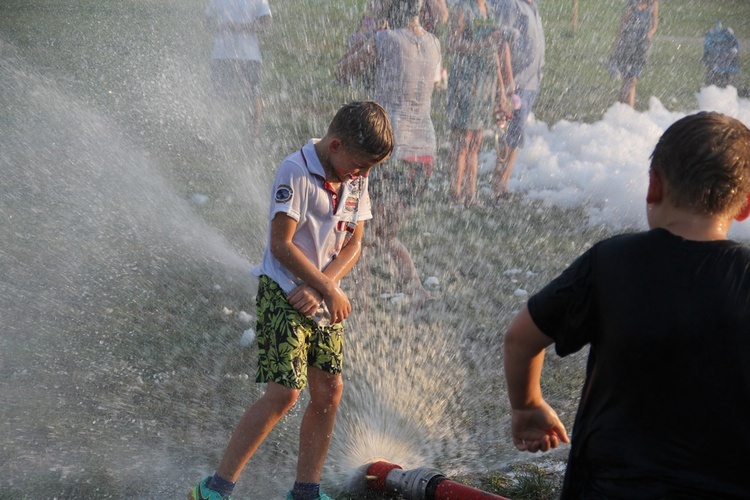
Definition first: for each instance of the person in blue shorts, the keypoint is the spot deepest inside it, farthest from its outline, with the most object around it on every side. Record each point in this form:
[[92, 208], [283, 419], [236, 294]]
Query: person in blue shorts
[[318, 207], [665, 314], [526, 59]]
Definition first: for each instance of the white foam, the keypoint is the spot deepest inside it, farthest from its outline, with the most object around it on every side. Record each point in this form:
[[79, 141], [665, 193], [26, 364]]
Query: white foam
[[604, 165]]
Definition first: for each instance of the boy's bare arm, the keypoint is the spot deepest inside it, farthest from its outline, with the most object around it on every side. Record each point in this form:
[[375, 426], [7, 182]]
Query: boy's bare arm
[[337, 269], [535, 426], [282, 247], [345, 260], [655, 23]]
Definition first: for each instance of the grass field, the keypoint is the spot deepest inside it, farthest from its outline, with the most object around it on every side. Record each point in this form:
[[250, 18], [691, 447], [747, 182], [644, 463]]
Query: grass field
[[118, 360]]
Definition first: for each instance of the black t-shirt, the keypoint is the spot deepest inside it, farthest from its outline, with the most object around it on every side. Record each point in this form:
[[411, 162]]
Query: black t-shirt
[[665, 409]]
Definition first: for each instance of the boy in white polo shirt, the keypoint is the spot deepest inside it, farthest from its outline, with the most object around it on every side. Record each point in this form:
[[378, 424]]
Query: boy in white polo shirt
[[318, 208]]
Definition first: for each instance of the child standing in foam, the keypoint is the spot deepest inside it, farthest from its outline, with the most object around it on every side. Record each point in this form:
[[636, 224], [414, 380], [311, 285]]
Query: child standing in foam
[[640, 20]]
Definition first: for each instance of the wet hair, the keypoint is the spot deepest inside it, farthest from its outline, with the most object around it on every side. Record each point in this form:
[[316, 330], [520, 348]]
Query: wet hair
[[401, 12], [704, 161], [364, 127]]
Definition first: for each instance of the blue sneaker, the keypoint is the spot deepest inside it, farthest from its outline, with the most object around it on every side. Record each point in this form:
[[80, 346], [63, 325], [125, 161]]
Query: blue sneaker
[[321, 496], [203, 492]]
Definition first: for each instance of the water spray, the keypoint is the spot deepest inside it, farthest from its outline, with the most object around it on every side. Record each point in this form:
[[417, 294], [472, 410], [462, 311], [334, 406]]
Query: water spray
[[422, 483]]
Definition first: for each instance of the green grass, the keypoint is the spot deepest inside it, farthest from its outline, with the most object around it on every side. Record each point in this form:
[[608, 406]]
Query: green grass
[[109, 352], [576, 82]]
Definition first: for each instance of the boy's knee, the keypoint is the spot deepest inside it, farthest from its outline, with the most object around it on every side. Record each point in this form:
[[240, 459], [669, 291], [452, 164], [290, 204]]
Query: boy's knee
[[282, 398], [328, 396]]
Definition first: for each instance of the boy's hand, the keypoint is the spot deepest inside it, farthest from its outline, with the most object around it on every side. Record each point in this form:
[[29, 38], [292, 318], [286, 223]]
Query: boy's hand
[[338, 305], [305, 299], [537, 428]]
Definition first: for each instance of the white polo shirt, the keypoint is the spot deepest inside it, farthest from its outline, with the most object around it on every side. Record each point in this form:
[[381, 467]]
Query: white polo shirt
[[299, 192]]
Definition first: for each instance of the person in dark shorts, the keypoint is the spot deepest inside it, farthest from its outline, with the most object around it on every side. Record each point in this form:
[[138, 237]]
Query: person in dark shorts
[[318, 207], [666, 315], [640, 20]]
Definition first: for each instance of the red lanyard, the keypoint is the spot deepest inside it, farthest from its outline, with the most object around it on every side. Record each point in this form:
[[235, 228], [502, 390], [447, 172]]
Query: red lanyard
[[334, 195], [327, 185]]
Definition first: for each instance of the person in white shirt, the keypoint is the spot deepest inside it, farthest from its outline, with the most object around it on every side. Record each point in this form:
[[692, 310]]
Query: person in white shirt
[[235, 57], [317, 211]]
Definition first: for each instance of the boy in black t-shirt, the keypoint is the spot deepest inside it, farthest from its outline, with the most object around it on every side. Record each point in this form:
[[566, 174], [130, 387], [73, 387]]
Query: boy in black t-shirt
[[666, 313]]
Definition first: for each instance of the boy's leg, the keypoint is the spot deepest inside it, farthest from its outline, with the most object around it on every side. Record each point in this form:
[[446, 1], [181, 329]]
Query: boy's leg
[[279, 327], [472, 168], [459, 153], [317, 423], [250, 79], [253, 427], [627, 91], [503, 171]]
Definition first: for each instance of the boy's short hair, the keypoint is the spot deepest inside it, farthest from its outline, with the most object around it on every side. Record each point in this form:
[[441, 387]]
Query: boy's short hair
[[704, 160], [364, 127]]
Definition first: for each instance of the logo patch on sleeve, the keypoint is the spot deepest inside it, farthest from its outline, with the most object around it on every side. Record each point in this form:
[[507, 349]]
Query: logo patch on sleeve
[[283, 194]]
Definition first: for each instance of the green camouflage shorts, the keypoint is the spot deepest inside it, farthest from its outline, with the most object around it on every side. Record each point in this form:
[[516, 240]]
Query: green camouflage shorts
[[289, 342]]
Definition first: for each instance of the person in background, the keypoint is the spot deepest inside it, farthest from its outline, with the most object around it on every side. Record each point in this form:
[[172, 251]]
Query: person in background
[[318, 207], [405, 58], [377, 12], [721, 55], [666, 316], [639, 22], [432, 16], [235, 58], [521, 17], [473, 41], [373, 20]]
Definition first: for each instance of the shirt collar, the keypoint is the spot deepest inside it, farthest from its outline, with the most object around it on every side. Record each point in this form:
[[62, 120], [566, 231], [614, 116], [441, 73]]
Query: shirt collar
[[310, 157]]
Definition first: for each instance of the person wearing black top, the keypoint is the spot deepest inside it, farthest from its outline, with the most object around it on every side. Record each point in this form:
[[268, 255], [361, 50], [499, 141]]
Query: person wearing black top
[[665, 406]]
